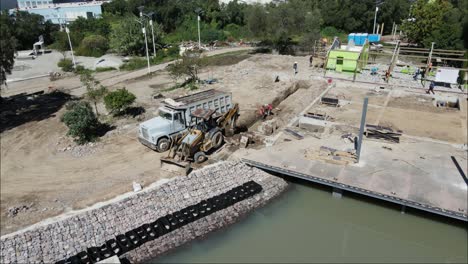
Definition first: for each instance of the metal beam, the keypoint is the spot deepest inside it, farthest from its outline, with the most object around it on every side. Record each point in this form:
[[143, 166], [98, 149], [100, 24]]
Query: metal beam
[[361, 129], [365, 192]]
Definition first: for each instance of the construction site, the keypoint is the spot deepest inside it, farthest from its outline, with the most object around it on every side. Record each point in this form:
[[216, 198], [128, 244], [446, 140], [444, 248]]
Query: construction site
[[356, 123]]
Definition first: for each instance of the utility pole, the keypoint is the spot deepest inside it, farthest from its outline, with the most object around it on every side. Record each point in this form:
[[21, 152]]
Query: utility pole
[[71, 46]]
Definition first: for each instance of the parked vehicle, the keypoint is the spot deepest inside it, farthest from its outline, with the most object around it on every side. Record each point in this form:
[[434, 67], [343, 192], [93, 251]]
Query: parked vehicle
[[174, 117]]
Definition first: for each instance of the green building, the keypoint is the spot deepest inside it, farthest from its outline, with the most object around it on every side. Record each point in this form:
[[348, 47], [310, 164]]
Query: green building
[[353, 59]]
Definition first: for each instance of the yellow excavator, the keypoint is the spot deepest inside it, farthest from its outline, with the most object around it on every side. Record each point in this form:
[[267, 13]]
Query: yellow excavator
[[206, 135]]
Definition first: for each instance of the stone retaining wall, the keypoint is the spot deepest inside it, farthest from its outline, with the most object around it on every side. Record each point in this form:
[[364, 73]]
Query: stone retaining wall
[[65, 238]]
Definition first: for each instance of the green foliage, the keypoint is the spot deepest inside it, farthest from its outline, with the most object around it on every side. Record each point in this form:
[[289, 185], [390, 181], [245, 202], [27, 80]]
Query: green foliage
[[435, 21], [127, 37], [312, 23], [80, 69], [119, 100], [91, 26], [89, 36], [61, 42], [28, 27], [93, 46], [94, 90], [104, 69], [233, 31], [257, 21], [7, 46], [134, 64], [331, 32], [66, 65], [81, 122], [188, 66], [163, 55]]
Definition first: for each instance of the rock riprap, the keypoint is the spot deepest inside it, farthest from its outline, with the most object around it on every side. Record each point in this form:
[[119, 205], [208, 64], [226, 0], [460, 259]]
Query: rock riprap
[[62, 239]]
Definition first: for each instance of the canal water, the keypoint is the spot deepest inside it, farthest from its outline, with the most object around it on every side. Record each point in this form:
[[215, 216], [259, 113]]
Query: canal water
[[306, 224]]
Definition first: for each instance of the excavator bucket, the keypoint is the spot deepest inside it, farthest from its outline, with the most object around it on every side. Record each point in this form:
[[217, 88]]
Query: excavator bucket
[[175, 167]]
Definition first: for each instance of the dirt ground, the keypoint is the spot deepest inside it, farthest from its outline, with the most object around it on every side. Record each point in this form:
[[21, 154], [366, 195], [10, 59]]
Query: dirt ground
[[45, 172], [413, 112]]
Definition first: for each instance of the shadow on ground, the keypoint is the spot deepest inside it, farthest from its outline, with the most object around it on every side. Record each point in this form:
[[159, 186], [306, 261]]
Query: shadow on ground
[[20, 109]]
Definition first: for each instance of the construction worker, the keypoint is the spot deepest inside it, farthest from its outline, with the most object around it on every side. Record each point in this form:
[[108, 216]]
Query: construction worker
[[423, 75], [295, 68], [431, 88], [416, 74], [265, 110]]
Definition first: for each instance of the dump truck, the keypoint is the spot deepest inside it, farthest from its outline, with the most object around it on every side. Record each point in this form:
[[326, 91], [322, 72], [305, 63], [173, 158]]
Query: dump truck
[[174, 118]]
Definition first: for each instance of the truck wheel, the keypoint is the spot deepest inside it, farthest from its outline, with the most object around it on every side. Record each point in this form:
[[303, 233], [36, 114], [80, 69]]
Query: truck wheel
[[217, 139], [163, 144], [200, 157]]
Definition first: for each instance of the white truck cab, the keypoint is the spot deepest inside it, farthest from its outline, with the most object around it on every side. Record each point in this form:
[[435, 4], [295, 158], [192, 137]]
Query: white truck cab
[[174, 117]]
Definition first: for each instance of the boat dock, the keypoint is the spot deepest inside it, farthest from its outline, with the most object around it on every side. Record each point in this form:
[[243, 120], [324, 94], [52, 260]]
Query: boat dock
[[414, 173]]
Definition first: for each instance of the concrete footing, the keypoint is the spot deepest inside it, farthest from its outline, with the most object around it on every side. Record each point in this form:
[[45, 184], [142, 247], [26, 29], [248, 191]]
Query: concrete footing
[[337, 193]]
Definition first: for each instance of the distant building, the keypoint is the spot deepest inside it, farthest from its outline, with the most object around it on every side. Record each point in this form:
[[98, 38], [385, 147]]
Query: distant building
[[61, 12]]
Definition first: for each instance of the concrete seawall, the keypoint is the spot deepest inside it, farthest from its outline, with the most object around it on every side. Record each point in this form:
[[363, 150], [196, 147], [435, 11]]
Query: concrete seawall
[[62, 239]]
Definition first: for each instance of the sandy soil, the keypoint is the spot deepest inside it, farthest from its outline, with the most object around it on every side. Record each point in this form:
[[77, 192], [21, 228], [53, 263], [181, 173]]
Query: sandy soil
[[412, 112], [38, 173]]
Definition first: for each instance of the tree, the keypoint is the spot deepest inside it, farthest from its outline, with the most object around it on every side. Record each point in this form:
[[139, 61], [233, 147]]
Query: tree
[[7, 46], [127, 37], [434, 21], [189, 65], [93, 46], [94, 91], [28, 27], [81, 122], [66, 65], [257, 21], [313, 22], [91, 26], [118, 101], [117, 7]]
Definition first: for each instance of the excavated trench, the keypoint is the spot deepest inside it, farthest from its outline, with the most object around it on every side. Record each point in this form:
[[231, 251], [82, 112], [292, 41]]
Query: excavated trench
[[248, 119]]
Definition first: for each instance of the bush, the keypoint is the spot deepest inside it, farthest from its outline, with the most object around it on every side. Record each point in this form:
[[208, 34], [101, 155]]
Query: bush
[[81, 122], [66, 65], [212, 34], [93, 46], [104, 69], [118, 101], [134, 64]]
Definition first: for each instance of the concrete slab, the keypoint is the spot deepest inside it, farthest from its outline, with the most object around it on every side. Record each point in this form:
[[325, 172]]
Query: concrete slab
[[417, 174]]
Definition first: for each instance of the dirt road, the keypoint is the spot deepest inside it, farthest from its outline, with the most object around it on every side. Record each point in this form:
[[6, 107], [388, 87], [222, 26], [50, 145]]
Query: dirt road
[[106, 78]]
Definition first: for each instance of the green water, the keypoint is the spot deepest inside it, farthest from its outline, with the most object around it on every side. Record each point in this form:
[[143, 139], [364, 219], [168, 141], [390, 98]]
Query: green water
[[307, 224]]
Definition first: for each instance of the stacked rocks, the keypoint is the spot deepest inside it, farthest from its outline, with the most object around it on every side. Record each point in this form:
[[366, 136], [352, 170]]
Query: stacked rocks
[[65, 238]]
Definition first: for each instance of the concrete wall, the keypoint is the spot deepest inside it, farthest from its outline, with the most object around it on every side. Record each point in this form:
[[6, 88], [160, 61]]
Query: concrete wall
[[50, 242]]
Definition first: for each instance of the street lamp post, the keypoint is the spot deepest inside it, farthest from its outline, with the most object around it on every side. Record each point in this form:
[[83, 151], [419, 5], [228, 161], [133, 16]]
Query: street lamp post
[[143, 29], [150, 17], [152, 33], [375, 18], [199, 38], [71, 46]]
